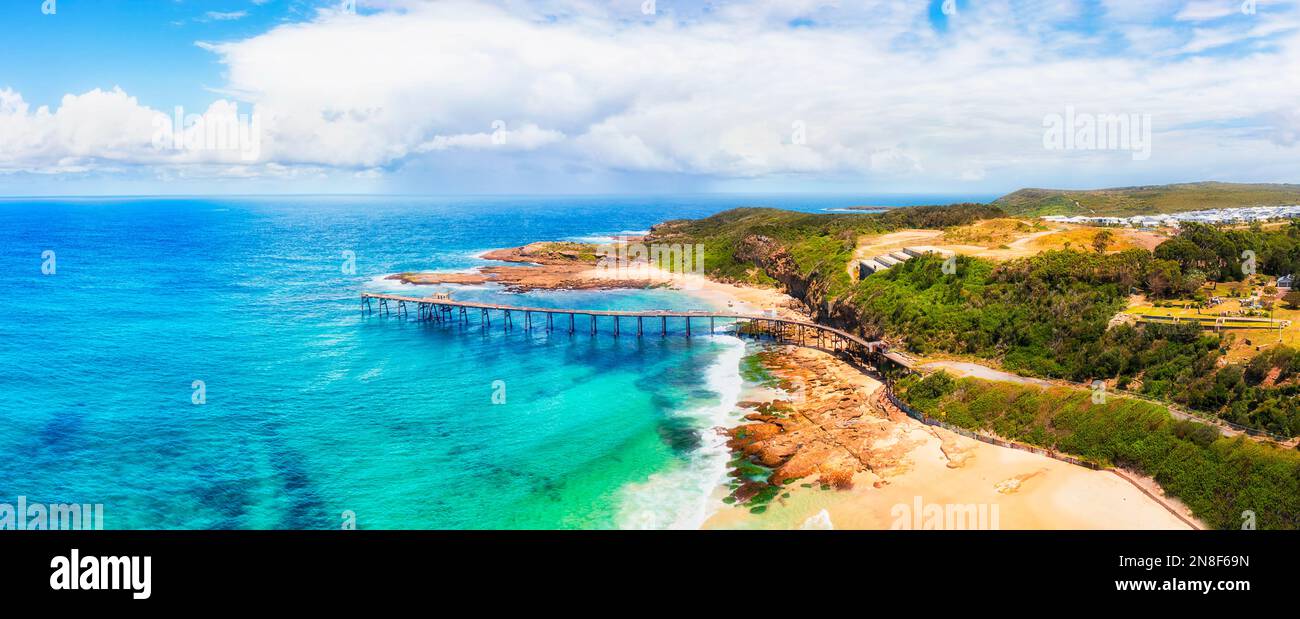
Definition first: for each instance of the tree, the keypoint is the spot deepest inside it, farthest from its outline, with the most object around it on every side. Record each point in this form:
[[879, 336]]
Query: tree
[[1193, 281], [1293, 299], [1102, 240], [1162, 277]]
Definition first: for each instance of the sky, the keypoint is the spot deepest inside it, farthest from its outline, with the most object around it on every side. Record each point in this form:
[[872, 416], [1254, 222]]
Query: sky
[[961, 97]]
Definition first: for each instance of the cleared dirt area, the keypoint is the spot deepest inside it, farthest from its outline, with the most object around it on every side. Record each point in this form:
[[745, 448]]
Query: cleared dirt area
[[963, 368], [1082, 237], [1005, 239]]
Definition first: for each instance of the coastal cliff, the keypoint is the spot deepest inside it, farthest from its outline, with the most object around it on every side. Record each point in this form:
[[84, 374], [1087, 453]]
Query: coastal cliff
[[812, 289], [805, 254]]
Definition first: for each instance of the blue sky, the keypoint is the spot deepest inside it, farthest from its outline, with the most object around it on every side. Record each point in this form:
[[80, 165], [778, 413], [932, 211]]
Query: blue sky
[[583, 96], [145, 47]]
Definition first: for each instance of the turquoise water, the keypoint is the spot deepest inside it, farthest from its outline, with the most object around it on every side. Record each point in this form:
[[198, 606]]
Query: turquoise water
[[313, 409]]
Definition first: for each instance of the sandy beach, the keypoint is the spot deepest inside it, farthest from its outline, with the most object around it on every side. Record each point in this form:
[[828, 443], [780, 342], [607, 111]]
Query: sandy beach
[[721, 295], [571, 266], [837, 458], [907, 472]]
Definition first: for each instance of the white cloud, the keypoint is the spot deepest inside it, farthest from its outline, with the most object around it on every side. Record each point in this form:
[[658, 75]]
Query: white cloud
[[879, 92], [225, 16], [105, 126], [1204, 10], [528, 137]]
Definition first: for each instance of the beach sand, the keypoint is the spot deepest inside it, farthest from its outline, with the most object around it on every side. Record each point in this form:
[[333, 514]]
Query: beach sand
[[908, 464], [915, 462], [722, 296], [895, 464], [563, 266]]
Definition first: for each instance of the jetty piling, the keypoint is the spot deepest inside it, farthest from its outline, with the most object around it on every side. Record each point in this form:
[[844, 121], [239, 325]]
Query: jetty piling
[[793, 331]]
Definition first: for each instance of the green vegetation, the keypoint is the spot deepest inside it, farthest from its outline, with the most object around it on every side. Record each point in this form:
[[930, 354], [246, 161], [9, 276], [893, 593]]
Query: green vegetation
[[1293, 299], [1218, 478], [749, 486], [753, 370], [563, 251], [1217, 253], [1149, 200], [820, 245], [1045, 315], [1102, 241], [1238, 392], [1048, 315]]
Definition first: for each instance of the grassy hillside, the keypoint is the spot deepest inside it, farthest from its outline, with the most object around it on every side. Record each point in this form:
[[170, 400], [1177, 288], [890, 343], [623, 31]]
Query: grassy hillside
[[1148, 200], [1048, 316], [1219, 478], [820, 244], [1044, 315]]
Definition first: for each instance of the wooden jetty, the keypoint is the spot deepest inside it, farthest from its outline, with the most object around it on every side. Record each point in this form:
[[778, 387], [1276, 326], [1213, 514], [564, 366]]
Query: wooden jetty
[[441, 308]]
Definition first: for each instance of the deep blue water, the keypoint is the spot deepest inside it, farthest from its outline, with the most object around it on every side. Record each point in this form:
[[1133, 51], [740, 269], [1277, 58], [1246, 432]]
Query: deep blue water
[[313, 409]]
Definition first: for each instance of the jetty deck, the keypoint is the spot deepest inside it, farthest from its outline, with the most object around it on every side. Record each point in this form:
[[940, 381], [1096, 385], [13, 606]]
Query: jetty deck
[[804, 333]]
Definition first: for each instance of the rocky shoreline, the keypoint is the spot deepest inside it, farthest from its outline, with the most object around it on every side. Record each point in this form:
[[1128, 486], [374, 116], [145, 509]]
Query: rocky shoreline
[[819, 449], [536, 266], [816, 448], [824, 430]]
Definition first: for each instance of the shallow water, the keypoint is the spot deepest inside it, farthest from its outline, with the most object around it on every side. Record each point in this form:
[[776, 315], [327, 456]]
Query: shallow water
[[312, 409]]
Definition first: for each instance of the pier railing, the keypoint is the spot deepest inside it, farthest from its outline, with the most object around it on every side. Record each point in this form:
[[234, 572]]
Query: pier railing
[[788, 330]]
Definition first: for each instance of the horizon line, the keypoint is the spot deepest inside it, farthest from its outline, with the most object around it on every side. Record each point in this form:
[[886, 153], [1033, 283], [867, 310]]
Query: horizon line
[[487, 195]]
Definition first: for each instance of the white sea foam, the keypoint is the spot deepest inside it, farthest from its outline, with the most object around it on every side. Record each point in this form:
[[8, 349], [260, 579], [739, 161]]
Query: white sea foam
[[597, 238], [683, 497], [381, 283]]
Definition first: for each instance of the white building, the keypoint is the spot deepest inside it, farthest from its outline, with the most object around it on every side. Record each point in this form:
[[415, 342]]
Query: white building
[[1213, 216]]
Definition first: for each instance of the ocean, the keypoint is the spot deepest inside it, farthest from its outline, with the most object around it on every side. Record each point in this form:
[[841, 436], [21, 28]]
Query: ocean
[[202, 363]]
